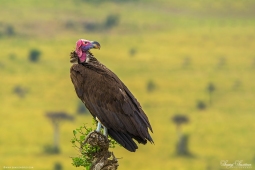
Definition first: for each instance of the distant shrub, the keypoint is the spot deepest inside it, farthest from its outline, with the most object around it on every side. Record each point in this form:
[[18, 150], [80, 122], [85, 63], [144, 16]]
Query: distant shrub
[[1, 65], [69, 24], [101, 1], [58, 166], [95, 26], [186, 62], [9, 30], [182, 148], [34, 55], [179, 119], [210, 88], [49, 149], [81, 109], [201, 105], [132, 52], [12, 56], [151, 86], [237, 84], [253, 63], [111, 21], [20, 91], [92, 26], [222, 62]]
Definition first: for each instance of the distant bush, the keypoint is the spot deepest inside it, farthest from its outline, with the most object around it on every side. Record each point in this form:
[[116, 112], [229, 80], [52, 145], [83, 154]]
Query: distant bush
[[81, 109], [210, 88], [92, 26], [151, 86], [20, 91], [222, 62], [111, 21], [1, 65], [182, 147], [186, 62], [179, 119], [101, 1], [253, 63], [69, 24], [50, 149], [34, 55], [58, 166], [201, 105], [9, 30], [132, 52], [237, 84], [12, 56]]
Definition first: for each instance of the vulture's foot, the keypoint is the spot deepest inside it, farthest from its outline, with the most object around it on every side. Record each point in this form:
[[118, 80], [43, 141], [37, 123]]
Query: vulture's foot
[[99, 126]]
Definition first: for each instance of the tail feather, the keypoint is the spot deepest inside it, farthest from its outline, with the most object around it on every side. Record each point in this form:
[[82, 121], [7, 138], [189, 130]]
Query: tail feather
[[124, 139]]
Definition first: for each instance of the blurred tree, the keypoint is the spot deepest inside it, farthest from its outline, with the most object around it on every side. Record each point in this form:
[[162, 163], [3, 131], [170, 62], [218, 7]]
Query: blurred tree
[[81, 109], [50, 149], [179, 119], [132, 52], [253, 63], [34, 55], [186, 62], [20, 91], [56, 118], [210, 89], [182, 142], [221, 62], [58, 166], [1, 65], [151, 86], [237, 84], [92, 26], [201, 105], [111, 21], [12, 56], [101, 1], [9, 30], [182, 146], [69, 24]]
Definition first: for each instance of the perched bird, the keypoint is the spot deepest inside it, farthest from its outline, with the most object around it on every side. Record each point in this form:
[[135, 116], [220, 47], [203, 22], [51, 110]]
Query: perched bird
[[107, 98]]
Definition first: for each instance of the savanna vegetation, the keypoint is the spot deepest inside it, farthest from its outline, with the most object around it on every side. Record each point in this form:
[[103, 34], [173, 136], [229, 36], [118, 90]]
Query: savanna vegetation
[[169, 54]]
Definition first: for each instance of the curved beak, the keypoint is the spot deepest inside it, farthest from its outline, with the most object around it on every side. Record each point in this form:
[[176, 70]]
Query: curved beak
[[95, 44]]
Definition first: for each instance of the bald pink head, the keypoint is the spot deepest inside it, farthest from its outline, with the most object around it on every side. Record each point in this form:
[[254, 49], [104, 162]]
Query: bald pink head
[[78, 50], [82, 46]]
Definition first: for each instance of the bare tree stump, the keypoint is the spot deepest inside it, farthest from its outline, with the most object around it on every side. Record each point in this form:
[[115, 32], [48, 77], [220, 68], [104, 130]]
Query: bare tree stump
[[103, 159]]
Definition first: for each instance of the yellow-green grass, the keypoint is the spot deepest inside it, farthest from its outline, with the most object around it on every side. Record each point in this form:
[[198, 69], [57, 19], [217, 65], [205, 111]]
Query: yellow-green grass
[[163, 39]]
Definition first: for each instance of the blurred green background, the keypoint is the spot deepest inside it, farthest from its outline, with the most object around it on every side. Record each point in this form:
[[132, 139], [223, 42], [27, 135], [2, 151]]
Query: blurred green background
[[180, 58]]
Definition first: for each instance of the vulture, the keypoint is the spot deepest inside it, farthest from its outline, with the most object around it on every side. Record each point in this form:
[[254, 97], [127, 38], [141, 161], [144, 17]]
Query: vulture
[[108, 99]]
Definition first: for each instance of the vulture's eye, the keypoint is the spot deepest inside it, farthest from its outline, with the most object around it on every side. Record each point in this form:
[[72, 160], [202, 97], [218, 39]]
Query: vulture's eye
[[86, 42]]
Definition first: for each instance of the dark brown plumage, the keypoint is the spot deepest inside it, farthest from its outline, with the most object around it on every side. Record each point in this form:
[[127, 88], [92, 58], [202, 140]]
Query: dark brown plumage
[[110, 101]]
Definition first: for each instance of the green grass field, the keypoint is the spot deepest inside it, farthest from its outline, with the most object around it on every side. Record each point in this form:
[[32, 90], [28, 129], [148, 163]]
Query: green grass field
[[217, 37]]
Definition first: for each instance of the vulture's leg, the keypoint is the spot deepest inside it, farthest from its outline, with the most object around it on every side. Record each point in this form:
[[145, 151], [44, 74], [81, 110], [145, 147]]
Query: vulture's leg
[[105, 131], [99, 125]]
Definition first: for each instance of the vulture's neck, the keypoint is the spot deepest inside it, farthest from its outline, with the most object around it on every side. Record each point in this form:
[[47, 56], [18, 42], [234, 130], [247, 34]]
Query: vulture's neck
[[75, 59]]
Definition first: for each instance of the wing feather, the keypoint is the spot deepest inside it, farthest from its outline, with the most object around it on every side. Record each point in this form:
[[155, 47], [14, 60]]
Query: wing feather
[[108, 99]]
